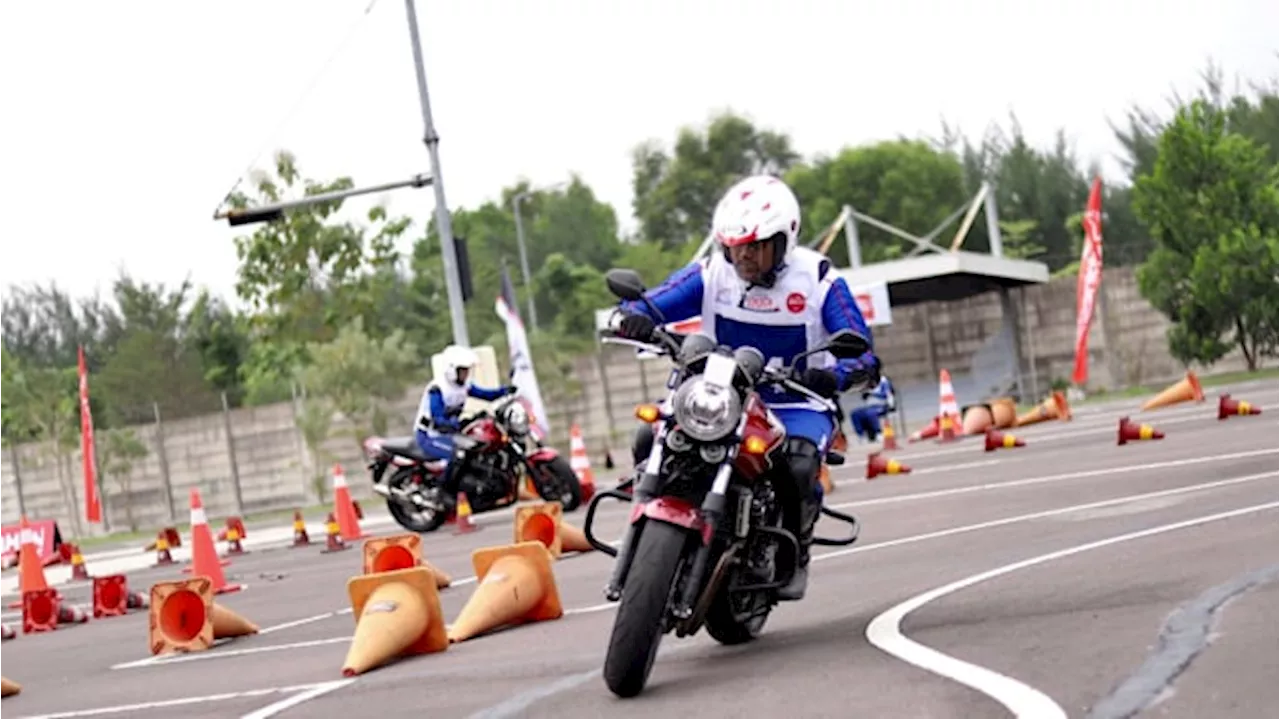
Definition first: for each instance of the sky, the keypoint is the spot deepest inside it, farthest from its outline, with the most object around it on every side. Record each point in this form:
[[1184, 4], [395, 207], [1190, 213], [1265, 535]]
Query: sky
[[126, 123]]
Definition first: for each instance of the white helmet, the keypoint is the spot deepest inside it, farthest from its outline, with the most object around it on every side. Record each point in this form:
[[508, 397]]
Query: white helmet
[[760, 208], [457, 358]]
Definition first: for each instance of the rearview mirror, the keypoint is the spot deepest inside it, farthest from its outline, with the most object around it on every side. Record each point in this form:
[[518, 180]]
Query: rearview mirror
[[625, 284], [847, 344]]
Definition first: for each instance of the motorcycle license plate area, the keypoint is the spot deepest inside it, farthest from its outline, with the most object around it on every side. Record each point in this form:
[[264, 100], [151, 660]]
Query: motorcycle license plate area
[[719, 370]]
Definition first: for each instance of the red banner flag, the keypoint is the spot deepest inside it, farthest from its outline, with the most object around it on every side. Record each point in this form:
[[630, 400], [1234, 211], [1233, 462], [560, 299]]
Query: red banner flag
[[92, 507], [1089, 280]]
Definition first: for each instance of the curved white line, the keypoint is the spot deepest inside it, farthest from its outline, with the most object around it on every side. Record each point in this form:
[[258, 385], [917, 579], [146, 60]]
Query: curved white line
[[885, 631]]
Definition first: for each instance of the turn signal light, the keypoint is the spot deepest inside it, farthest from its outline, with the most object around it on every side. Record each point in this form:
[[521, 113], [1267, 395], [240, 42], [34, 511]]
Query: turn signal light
[[755, 445], [647, 413]]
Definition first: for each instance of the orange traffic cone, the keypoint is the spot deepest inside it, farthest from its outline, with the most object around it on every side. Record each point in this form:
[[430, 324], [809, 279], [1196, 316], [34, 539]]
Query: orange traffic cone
[[8, 687], [465, 523], [1001, 440], [184, 617], [540, 523], [300, 538], [204, 556], [40, 610], [948, 409], [580, 463], [877, 465], [110, 596], [333, 536], [348, 522], [890, 438], [1131, 431], [573, 539], [1053, 407], [515, 585], [232, 535], [824, 478], [1004, 413], [30, 569], [1186, 389], [397, 613], [928, 432], [1228, 407], [163, 555]]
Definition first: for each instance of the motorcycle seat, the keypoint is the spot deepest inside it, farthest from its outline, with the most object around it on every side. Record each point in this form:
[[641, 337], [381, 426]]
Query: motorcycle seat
[[404, 447]]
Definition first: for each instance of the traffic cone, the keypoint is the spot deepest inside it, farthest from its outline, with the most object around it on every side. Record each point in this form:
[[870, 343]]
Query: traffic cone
[[1132, 431], [40, 610], [840, 442], [465, 523], [397, 613], [889, 440], [71, 614], [161, 545], [573, 539], [184, 617], [540, 523], [8, 687], [399, 551], [877, 465], [204, 556], [78, 571], [30, 569], [824, 478], [948, 409], [928, 432], [527, 491], [333, 536], [300, 538], [110, 596], [976, 419], [580, 463], [1004, 412], [515, 584], [232, 535], [348, 522], [1053, 407], [1001, 440], [172, 538], [1186, 389], [1238, 407]]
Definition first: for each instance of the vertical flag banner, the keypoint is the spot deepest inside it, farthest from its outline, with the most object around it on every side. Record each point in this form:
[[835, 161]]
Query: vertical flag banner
[[523, 376], [1089, 280], [92, 507]]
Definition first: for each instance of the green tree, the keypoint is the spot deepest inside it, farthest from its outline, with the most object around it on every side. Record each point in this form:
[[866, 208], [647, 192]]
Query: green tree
[[1210, 203], [118, 451]]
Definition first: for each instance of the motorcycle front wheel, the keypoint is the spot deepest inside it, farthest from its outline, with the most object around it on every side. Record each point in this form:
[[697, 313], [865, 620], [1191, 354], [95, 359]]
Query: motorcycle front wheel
[[638, 625]]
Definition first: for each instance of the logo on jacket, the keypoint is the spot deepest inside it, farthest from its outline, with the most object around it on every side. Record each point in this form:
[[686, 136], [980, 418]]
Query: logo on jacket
[[758, 303], [796, 302]]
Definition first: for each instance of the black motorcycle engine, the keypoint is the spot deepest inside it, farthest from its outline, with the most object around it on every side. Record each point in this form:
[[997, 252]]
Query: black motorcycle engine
[[489, 480]]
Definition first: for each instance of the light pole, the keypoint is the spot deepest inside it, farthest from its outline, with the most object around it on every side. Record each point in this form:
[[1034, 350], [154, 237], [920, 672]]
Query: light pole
[[444, 224], [524, 255]]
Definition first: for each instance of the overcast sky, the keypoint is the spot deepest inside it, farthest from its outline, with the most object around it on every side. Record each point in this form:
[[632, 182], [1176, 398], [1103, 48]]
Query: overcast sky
[[126, 122]]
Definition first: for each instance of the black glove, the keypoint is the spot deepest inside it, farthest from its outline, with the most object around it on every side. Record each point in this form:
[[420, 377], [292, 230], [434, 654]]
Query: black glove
[[510, 389], [821, 381], [637, 327]]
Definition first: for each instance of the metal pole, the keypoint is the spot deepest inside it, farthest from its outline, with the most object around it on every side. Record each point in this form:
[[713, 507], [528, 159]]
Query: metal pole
[[444, 225], [524, 259]]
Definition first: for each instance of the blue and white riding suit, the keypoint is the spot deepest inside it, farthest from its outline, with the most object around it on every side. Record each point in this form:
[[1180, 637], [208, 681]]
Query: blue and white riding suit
[[807, 302], [877, 404], [439, 415]]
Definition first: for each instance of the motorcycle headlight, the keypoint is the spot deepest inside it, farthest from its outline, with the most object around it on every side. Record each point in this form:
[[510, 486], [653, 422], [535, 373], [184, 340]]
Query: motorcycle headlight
[[706, 412], [517, 419]]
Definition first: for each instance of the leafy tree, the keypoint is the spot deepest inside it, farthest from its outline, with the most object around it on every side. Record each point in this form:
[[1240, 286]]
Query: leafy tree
[[118, 451], [1210, 204]]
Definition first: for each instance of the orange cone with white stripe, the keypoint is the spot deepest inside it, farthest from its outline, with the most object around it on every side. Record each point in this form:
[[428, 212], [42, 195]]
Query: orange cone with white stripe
[[580, 463], [204, 555], [343, 509], [948, 409]]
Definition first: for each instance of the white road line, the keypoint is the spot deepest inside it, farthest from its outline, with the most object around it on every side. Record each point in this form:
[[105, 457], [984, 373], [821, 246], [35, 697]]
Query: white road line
[[318, 690], [297, 622], [1054, 478], [206, 699], [206, 655], [885, 631]]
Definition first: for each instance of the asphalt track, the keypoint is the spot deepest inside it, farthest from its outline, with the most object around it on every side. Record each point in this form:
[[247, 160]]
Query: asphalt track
[[1071, 577]]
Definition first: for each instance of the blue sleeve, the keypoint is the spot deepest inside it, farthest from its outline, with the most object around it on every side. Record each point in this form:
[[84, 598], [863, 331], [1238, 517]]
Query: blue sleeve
[[679, 297], [840, 312], [487, 393], [439, 415]]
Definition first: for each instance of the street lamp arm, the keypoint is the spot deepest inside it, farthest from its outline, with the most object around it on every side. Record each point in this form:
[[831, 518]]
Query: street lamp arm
[[275, 210]]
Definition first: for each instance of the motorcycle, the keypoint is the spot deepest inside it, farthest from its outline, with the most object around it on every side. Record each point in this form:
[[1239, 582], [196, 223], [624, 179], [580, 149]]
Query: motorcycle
[[701, 547], [493, 448]]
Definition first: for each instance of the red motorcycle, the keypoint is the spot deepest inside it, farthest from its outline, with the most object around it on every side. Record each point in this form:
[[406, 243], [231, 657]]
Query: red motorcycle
[[498, 455], [702, 542]]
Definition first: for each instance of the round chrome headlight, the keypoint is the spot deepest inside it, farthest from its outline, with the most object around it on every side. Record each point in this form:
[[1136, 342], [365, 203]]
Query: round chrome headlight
[[706, 412], [517, 418]]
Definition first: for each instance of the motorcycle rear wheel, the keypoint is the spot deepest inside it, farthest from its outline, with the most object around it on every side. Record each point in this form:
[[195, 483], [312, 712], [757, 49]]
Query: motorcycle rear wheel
[[638, 625], [560, 484], [409, 517]]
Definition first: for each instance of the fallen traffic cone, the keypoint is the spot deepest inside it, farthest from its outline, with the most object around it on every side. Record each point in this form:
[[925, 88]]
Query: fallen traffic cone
[[1131, 431], [466, 524], [40, 610], [1004, 412], [1186, 389], [333, 536], [397, 613], [300, 538], [184, 617], [890, 438], [928, 432], [998, 440], [573, 539], [71, 614], [204, 556], [110, 596], [540, 523], [515, 584], [161, 545], [1053, 407], [877, 465], [78, 571], [343, 509], [8, 688], [1238, 407]]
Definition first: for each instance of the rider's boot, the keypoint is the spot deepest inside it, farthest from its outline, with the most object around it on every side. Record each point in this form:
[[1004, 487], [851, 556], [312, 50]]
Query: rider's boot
[[804, 465]]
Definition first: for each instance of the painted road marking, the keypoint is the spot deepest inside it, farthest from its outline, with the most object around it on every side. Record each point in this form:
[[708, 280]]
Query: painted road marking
[[163, 704], [289, 702], [885, 631]]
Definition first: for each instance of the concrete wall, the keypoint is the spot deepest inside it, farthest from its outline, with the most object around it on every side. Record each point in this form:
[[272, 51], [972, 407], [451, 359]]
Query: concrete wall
[[273, 468]]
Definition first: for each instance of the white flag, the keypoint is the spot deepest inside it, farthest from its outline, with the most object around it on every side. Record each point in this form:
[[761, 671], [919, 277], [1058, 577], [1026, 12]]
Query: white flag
[[523, 376]]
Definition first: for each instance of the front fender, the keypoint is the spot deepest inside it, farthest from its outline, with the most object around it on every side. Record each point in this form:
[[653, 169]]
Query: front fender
[[543, 455], [672, 511]]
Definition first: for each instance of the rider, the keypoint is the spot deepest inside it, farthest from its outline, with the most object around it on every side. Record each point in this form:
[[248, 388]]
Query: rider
[[764, 291], [440, 410], [878, 402]]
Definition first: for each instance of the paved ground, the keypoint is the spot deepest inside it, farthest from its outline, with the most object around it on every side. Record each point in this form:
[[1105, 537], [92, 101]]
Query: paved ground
[[1071, 577]]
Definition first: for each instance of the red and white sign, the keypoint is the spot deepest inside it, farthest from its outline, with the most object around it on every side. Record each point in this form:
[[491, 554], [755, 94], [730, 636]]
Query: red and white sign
[[43, 533]]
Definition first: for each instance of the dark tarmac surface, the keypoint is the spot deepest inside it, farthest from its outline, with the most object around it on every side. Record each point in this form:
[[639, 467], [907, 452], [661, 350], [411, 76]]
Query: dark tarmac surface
[[1060, 634]]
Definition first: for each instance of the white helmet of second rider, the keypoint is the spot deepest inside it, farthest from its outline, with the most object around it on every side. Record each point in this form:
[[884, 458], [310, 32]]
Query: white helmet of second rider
[[457, 358], [757, 209]]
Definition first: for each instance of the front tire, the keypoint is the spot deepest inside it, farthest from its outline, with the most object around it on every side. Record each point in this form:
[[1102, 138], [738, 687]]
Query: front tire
[[559, 483], [638, 626]]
